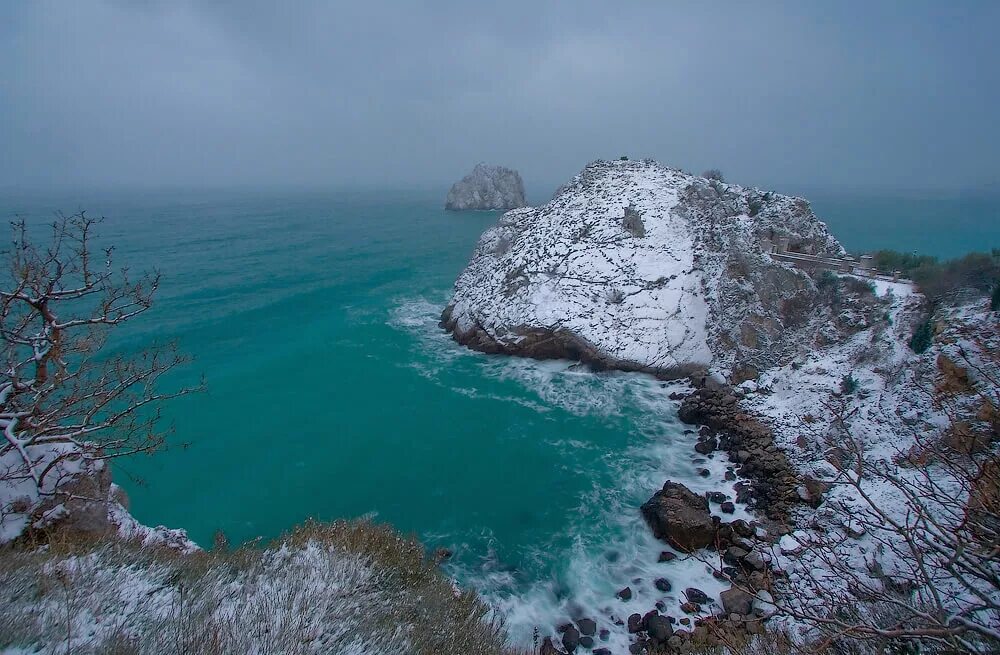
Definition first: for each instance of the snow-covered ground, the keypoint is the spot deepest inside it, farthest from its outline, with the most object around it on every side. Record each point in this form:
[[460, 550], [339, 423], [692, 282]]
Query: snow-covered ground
[[340, 589], [899, 421]]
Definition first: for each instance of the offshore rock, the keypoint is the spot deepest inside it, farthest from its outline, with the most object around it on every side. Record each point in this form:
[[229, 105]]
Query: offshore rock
[[487, 187]]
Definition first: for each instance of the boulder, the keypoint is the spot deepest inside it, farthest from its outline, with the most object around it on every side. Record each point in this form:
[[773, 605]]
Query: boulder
[[634, 623], [696, 595], [734, 555], [680, 517], [587, 626], [662, 584], [736, 601], [716, 497], [625, 594], [706, 447], [659, 628], [571, 639]]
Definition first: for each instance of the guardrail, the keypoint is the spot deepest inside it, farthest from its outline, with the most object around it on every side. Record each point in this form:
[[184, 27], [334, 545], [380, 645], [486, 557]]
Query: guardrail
[[849, 266]]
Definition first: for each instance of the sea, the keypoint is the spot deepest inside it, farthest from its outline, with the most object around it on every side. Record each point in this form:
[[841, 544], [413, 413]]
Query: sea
[[331, 392]]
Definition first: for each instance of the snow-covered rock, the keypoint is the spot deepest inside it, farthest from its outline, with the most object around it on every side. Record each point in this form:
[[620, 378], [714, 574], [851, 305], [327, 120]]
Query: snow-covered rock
[[487, 187], [633, 265]]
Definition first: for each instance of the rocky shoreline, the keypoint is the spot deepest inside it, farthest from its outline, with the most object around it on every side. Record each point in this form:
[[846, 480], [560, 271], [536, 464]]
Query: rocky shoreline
[[738, 551], [541, 344], [775, 485]]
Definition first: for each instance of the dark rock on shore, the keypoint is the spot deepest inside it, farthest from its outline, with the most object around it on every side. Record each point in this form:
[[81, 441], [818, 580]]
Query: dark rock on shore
[[775, 485], [571, 639], [706, 446], [736, 601], [680, 517], [659, 628], [696, 595]]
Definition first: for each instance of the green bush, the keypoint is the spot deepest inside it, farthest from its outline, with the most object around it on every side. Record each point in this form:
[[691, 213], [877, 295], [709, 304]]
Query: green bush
[[892, 260], [827, 279], [976, 270], [922, 337], [848, 384], [995, 299]]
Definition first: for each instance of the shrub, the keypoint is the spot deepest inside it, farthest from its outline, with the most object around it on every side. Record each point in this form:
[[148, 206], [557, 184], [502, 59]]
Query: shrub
[[976, 270], [995, 299], [861, 287], [623, 158], [324, 588], [922, 337], [848, 384], [713, 174], [892, 260], [827, 279]]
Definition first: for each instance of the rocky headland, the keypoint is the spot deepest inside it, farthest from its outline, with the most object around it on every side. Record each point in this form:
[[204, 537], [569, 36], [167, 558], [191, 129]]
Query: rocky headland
[[636, 266], [487, 187]]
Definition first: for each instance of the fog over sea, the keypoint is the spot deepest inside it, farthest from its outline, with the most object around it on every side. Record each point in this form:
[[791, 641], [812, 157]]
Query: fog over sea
[[332, 393]]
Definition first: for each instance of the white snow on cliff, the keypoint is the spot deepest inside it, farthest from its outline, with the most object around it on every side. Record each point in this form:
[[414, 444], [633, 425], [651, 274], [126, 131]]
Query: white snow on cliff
[[650, 295]]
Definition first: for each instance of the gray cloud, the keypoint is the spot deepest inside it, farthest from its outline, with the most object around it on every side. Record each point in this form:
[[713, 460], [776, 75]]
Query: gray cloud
[[338, 94]]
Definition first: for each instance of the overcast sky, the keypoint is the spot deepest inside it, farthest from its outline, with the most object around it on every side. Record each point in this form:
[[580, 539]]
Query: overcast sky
[[404, 94]]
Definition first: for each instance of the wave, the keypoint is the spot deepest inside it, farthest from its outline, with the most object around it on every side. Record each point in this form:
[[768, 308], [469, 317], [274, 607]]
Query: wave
[[603, 544]]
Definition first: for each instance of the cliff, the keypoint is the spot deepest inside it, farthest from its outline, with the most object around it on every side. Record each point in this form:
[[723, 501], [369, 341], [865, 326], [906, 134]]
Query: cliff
[[636, 266]]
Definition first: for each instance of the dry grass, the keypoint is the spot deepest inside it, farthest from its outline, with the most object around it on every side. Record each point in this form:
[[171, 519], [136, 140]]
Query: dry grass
[[345, 587]]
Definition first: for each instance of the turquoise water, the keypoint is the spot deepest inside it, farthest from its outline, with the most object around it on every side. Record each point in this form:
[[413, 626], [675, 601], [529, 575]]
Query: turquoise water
[[332, 394], [942, 224]]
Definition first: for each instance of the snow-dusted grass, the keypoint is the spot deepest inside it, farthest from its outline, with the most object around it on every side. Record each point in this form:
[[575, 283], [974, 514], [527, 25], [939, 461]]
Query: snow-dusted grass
[[324, 588]]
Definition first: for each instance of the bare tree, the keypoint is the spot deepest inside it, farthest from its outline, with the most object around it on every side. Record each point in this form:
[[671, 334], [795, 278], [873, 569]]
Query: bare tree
[[910, 554], [713, 174], [66, 406]]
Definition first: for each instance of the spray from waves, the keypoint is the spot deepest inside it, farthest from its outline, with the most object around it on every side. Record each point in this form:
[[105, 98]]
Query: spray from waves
[[603, 545]]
